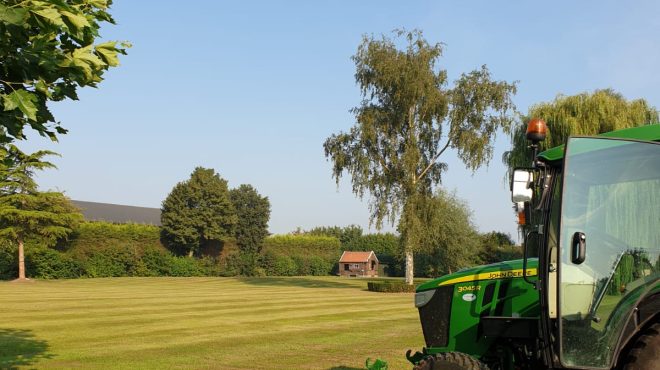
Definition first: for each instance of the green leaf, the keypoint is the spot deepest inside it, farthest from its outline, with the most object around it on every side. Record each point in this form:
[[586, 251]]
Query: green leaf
[[51, 15], [78, 20], [84, 67], [108, 52], [23, 100], [101, 4], [42, 87], [85, 54], [15, 16]]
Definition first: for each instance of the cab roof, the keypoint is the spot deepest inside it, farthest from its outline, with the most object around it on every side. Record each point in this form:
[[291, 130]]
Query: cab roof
[[643, 133]]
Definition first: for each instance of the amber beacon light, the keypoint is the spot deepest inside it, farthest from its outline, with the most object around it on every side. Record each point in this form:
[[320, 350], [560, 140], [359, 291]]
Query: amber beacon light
[[536, 130]]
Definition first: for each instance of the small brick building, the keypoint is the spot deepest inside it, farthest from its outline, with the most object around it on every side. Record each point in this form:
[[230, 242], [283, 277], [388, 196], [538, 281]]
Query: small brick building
[[358, 264]]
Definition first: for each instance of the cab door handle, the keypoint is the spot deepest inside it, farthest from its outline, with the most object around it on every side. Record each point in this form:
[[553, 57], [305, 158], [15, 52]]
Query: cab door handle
[[578, 248]]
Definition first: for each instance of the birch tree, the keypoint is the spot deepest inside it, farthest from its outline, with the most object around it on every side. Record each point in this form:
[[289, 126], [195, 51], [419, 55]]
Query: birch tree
[[408, 118]]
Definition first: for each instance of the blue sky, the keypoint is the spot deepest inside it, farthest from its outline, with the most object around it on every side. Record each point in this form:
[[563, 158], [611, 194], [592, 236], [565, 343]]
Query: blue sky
[[252, 89]]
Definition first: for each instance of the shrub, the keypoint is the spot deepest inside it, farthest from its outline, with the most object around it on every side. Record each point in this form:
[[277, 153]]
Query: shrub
[[8, 261], [185, 266], [319, 266], [281, 266], [244, 264], [46, 263], [212, 266], [390, 286], [157, 262], [112, 261]]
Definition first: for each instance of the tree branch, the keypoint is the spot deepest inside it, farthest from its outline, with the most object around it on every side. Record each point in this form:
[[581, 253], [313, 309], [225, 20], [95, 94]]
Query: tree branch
[[435, 158]]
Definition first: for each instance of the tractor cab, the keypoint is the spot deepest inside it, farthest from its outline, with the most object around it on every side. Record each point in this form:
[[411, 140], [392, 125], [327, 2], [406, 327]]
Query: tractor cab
[[590, 214]]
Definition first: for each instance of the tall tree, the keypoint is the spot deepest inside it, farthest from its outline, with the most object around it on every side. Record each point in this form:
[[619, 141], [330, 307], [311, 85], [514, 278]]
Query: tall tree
[[449, 237], [25, 211], [197, 211], [408, 118], [47, 52], [253, 212], [581, 114]]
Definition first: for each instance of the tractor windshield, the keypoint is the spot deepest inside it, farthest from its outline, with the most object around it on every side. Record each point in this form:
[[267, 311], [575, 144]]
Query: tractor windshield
[[611, 211]]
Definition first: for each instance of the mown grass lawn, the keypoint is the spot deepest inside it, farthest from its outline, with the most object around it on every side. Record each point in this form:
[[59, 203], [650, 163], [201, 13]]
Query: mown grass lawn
[[204, 323]]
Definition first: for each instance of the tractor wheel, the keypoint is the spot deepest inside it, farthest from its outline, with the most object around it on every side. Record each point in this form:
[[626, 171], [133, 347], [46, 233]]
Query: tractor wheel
[[450, 361], [645, 353]]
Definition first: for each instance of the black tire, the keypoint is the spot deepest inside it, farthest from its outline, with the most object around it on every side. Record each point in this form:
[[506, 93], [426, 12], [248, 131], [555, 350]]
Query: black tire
[[645, 353], [450, 361]]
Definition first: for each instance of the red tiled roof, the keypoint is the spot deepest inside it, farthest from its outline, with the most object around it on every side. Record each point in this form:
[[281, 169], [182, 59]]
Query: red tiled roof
[[352, 257]]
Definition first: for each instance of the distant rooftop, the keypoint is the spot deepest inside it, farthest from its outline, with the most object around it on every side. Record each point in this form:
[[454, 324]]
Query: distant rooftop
[[352, 257], [117, 213]]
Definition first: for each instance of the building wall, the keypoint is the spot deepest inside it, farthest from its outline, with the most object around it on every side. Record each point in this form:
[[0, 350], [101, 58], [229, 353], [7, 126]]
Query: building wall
[[359, 269]]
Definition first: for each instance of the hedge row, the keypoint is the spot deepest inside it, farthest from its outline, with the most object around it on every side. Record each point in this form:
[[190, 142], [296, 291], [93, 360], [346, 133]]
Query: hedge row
[[390, 286], [292, 255], [47, 263], [292, 245], [100, 249], [91, 237]]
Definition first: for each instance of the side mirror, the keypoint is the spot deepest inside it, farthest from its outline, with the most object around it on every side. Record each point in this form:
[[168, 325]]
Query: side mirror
[[521, 185]]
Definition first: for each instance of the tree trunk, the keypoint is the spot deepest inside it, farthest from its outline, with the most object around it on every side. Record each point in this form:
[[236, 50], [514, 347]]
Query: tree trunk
[[190, 253], [410, 270], [21, 260]]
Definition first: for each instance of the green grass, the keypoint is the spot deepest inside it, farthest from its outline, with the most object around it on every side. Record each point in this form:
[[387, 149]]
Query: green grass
[[204, 323]]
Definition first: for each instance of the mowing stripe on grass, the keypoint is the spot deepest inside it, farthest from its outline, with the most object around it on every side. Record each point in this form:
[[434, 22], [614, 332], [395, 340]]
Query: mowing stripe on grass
[[216, 323]]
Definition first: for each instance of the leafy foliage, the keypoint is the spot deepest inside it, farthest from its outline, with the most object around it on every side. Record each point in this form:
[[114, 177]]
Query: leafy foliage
[[378, 364], [289, 255], [408, 118], [303, 244], [197, 211], [498, 246], [581, 114], [449, 238], [114, 261], [47, 52], [279, 264], [253, 213], [348, 236], [97, 235]]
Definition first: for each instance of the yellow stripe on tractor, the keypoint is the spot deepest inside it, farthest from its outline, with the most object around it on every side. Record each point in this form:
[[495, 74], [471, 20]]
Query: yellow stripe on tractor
[[493, 275]]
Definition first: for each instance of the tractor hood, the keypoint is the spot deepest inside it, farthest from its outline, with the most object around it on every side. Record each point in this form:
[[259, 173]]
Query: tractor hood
[[499, 270]]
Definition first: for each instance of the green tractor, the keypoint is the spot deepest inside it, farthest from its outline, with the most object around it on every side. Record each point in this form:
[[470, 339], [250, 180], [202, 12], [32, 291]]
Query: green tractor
[[586, 295]]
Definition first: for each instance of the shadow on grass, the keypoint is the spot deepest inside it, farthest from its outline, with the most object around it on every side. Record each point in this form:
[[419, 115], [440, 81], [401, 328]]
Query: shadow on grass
[[301, 282], [21, 348]]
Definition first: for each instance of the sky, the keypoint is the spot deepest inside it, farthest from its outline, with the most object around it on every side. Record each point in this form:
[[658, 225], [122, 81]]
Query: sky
[[253, 88]]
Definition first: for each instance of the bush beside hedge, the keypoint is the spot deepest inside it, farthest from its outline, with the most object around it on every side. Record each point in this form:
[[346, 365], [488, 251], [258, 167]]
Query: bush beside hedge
[[390, 286]]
